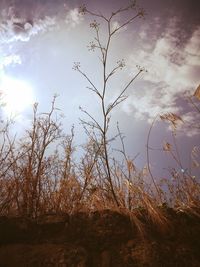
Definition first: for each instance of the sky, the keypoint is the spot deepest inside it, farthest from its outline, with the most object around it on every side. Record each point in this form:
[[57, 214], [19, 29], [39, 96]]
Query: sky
[[40, 41]]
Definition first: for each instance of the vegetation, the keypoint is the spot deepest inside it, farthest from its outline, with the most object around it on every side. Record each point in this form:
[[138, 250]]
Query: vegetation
[[39, 175]]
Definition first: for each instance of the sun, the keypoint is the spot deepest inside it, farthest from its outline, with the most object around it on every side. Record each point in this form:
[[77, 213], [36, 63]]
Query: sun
[[16, 95]]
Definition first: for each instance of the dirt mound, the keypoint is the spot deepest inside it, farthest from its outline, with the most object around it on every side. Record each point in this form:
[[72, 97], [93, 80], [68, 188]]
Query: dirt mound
[[100, 239]]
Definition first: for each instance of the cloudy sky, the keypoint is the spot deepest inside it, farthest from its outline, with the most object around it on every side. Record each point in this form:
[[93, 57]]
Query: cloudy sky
[[40, 41]]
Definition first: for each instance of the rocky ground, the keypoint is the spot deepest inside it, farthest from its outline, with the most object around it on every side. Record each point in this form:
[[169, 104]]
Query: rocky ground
[[101, 239]]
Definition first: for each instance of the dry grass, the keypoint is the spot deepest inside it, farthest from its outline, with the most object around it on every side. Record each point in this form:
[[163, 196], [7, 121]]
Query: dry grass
[[34, 181]]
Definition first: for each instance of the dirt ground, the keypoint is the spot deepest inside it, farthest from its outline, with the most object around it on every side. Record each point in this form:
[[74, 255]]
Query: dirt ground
[[101, 239]]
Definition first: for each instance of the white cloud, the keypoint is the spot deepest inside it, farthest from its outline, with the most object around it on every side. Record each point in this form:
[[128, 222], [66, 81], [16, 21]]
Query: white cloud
[[149, 103], [11, 59], [190, 127], [19, 26], [173, 68], [20, 29], [73, 18], [193, 49], [7, 60], [115, 25]]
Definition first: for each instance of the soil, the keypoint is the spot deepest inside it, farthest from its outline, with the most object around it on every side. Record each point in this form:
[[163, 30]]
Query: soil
[[100, 239]]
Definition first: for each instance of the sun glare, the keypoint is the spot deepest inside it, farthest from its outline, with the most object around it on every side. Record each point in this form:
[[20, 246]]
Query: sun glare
[[17, 95]]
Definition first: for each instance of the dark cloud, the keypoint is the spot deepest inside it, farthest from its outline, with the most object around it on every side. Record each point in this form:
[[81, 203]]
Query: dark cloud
[[171, 54], [20, 19]]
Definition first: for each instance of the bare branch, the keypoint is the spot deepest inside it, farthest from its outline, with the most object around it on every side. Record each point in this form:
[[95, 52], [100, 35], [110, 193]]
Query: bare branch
[[121, 96], [97, 125], [89, 80]]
